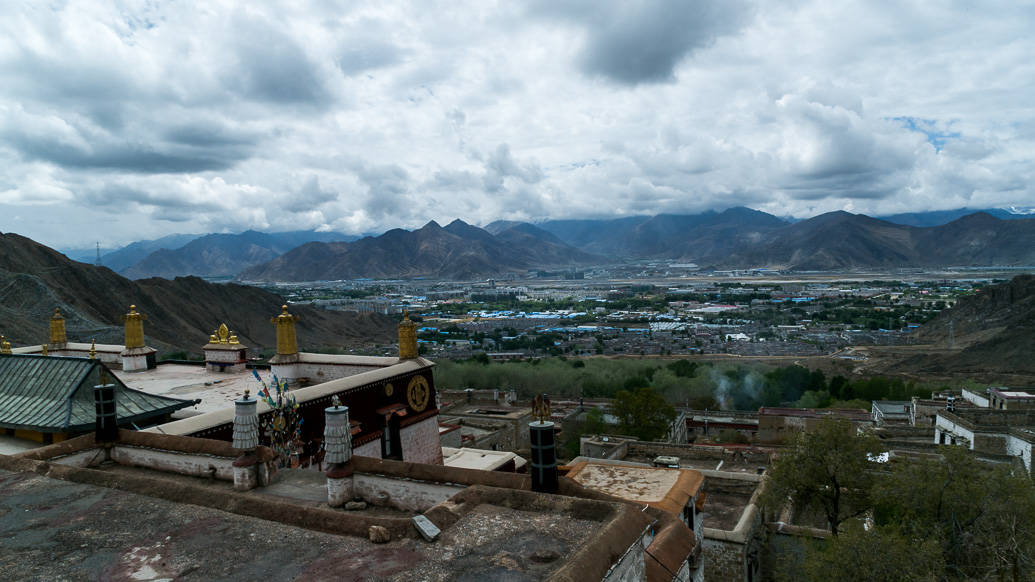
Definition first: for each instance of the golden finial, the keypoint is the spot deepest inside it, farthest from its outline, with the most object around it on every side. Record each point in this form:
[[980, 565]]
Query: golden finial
[[57, 329], [44, 350], [5, 346], [223, 333], [93, 349], [134, 328], [407, 338], [541, 408], [287, 340], [247, 394]]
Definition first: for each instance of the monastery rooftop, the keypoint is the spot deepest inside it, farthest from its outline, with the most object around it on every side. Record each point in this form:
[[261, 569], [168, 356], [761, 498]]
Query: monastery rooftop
[[81, 531]]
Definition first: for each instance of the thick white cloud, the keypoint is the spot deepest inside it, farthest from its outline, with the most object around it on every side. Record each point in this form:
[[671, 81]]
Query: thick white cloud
[[128, 120]]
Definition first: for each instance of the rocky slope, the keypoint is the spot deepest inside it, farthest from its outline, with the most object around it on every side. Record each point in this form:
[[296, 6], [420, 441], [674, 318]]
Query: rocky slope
[[991, 331], [35, 279]]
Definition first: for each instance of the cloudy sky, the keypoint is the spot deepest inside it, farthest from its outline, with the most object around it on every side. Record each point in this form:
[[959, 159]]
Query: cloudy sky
[[122, 121]]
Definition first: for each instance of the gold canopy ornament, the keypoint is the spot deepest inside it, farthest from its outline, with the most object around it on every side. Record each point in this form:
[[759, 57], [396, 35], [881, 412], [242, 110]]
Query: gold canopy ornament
[[287, 341], [407, 338], [57, 329], [5, 346], [134, 328]]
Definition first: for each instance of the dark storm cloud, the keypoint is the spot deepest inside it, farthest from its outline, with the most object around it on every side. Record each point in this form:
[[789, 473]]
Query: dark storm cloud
[[209, 134], [643, 41], [272, 66], [138, 158], [80, 146], [170, 203]]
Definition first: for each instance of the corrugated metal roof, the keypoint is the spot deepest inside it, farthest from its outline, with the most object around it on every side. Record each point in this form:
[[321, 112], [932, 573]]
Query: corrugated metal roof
[[55, 394]]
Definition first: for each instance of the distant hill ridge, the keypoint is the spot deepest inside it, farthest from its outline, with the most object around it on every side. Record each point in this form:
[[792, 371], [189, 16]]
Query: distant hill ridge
[[221, 255], [35, 279], [456, 251]]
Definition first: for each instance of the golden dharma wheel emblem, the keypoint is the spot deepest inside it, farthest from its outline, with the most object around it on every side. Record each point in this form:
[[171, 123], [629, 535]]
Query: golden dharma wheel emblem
[[417, 393], [389, 389]]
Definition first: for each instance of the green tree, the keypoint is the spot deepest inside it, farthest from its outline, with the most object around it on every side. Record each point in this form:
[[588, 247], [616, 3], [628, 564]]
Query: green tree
[[827, 469], [882, 555], [642, 413], [983, 517]]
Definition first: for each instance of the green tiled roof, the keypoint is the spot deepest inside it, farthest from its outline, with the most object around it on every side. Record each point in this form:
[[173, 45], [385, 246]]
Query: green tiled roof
[[55, 394]]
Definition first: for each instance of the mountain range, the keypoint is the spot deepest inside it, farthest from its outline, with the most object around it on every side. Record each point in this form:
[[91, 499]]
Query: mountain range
[[222, 255], [731, 239], [734, 238], [182, 312], [456, 251]]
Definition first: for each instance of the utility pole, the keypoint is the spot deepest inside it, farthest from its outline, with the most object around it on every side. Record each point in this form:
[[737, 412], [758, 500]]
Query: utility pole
[[98, 263]]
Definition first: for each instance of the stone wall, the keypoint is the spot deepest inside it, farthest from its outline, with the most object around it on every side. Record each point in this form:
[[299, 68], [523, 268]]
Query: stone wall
[[718, 453], [308, 373], [1019, 447], [420, 442], [723, 560], [407, 495], [990, 443], [195, 465], [631, 567], [371, 449]]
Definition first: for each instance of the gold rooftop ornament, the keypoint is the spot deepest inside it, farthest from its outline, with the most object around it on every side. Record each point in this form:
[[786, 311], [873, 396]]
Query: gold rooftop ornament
[[541, 408], [222, 334], [43, 351], [407, 338], [5, 346], [93, 349], [287, 341], [57, 329], [134, 328]]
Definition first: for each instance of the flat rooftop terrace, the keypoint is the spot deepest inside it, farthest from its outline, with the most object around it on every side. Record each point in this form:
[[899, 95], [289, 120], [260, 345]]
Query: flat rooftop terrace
[[59, 530], [215, 389]]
